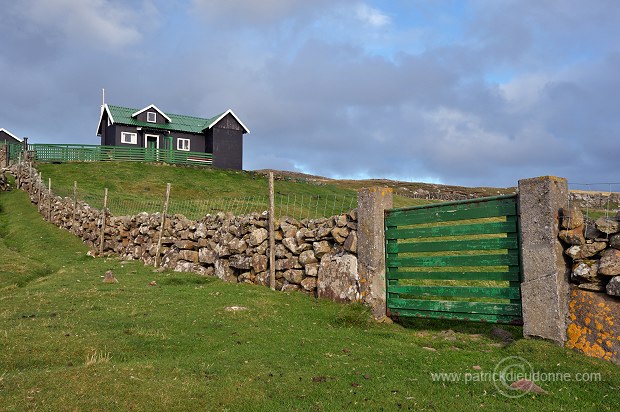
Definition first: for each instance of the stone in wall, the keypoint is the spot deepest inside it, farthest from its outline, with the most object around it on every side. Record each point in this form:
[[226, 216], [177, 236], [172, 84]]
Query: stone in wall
[[338, 278], [613, 287], [572, 218], [609, 264]]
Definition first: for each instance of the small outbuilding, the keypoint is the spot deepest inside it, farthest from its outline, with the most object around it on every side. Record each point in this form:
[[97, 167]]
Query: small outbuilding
[[150, 127]]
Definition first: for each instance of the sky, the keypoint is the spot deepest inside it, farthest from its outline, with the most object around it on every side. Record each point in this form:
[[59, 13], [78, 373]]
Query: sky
[[476, 93]]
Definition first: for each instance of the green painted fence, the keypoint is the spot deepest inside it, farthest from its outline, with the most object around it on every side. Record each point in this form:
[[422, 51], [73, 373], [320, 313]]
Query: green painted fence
[[457, 260], [93, 153]]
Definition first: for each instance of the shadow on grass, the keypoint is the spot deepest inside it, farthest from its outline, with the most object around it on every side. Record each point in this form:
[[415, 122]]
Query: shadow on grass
[[439, 325]]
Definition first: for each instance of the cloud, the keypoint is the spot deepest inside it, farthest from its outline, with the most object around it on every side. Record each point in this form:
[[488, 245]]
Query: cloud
[[371, 16], [95, 23], [252, 13]]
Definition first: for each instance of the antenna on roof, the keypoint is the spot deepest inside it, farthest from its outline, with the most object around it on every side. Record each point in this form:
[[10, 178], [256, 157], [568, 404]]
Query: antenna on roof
[[102, 97]]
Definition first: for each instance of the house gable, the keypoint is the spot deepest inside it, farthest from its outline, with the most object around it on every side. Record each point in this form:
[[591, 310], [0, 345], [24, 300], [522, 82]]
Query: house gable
[[227, 120], [6, 136], [151, 114]]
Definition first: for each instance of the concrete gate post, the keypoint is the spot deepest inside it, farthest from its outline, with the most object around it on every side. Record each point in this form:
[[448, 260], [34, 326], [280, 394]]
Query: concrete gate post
[[545, 286], [371, 205]]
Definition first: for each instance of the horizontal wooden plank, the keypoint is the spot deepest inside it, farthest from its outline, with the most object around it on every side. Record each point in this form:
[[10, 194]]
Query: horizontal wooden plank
[[512, 275], [458, 291], [496, 208], [452, 203], [489, 308], [453, 245], [456, 230], [473, 317], [510, 259]]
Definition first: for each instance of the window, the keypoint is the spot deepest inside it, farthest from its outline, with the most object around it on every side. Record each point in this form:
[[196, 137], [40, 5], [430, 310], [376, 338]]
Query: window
[[131, 138], [151, 117], [183, 144]]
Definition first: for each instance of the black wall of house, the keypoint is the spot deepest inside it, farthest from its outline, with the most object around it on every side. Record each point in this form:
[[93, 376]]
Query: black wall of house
[[112, 137], [227, 148], [5, 137]]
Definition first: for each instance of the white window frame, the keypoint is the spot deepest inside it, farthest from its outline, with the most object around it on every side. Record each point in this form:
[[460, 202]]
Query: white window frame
[[133, 138], [146, 139], [148, 117], [181, 143]]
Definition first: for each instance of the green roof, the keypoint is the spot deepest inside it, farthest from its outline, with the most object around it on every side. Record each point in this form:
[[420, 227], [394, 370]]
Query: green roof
[[179, 123]]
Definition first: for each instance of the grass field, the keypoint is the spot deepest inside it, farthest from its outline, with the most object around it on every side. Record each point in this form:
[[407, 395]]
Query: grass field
[[71, 342], [136, 187]]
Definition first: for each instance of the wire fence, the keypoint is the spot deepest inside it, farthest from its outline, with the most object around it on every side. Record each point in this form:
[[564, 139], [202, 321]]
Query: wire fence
[[297, 206], [596, 199]]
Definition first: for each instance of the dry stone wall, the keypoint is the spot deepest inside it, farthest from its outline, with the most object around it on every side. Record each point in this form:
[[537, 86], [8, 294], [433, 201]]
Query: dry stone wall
[[593, 249], [317, 256]]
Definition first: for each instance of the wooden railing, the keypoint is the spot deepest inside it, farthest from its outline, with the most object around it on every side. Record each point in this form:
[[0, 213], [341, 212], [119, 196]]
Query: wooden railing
[[92, 153]]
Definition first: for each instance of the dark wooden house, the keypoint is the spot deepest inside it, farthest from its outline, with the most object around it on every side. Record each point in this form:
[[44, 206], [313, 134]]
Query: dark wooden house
[[221, 135], [7, 137]]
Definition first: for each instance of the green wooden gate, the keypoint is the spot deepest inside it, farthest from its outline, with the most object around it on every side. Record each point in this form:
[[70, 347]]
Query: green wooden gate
[[457, 260]]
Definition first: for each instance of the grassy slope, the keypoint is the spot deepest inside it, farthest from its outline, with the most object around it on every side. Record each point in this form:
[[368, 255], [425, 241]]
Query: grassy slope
[[71, 342], [139, 183]]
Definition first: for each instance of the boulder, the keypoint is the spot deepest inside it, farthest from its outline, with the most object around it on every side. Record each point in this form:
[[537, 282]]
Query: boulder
[[341, 221], [289, 287], [258, 236], [307, 257], [224, 271], [221, 250], [237, 246], [585, 251], [259, 263], [321, 248], [610, 263], [340, 234], [206, 255], [308, 283], [240, 262], [571, 218], [312, 269], [594, 287], [294, 276], [586, 271], [189, 255], [572, 236], [288, 230], [291, 244], [289, 263], [614, 241], [607, 225], [350, 245], [338, 278], [613, 287]]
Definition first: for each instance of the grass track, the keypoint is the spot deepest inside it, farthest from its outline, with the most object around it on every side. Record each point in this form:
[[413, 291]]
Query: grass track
[[70, 342]]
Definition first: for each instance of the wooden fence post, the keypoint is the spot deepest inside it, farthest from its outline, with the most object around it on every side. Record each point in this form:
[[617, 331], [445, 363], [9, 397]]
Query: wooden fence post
[[40, 187], [163, 223], [19, 171], [74, 204], [25, 149], [103, 217], [272, 236], [49, 200]]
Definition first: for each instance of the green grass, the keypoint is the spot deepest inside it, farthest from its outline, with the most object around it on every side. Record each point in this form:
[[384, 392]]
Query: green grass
[[71, 342], [195, 191]]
